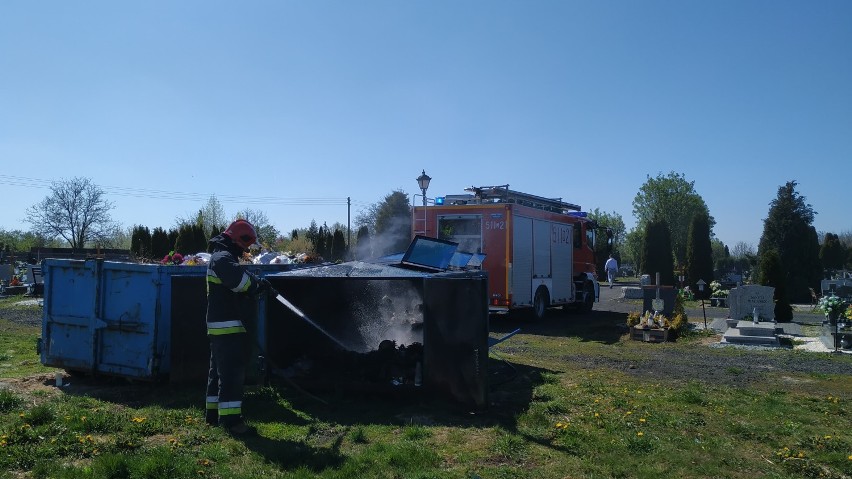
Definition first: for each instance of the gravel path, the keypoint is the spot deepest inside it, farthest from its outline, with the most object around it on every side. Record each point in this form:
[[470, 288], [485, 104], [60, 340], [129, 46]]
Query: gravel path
[[25, 311]]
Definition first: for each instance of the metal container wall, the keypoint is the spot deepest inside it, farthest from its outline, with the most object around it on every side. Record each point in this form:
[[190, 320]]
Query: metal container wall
[[349, 301], [123, 319], [109, 317]]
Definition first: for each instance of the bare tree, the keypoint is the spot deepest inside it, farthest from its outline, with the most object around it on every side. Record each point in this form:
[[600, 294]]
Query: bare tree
[[265, 231], [76, 211], [210, 217], [743, 250]]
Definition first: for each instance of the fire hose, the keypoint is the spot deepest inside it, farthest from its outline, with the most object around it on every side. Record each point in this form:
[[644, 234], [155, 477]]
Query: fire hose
[[292, 307]]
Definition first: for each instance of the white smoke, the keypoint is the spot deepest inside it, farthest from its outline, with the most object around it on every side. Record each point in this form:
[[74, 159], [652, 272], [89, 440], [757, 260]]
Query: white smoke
[[389, 313]]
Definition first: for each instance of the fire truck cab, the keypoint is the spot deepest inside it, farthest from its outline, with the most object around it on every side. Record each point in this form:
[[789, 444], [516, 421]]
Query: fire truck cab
[[539, 252]]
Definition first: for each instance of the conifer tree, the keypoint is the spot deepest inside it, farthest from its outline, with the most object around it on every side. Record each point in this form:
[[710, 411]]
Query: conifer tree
[[160, 245], [173, 234], [140, 242], [362, 243], [338, 246], [657, 252], [699, 254], [185, 242], [788, 230], [772, 274], [832, 253]]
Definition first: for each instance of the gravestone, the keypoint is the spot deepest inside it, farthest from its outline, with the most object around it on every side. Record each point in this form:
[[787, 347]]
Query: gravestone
[[6, 272], [745, 298], [666, 293]]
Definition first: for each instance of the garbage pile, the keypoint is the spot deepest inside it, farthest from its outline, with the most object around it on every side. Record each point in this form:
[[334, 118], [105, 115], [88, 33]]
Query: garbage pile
[[256, 257], [389, 365]]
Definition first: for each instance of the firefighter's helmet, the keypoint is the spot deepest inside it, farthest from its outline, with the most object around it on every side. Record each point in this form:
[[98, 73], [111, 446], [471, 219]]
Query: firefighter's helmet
[[242, 233]]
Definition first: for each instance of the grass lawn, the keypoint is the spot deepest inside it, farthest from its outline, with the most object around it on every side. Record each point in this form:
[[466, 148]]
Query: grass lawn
[[568, 400]]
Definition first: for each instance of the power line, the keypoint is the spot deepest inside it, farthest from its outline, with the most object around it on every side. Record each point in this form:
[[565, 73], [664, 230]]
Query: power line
[[186, 196]]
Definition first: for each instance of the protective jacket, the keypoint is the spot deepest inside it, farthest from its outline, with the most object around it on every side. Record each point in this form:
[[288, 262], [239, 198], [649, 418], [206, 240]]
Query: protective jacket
[[228, 285], [229, 290]]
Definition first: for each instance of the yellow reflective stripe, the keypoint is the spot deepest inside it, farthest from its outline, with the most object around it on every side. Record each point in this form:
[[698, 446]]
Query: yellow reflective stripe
[[230, 411], [245, 282], [217, 328], [221, 331]]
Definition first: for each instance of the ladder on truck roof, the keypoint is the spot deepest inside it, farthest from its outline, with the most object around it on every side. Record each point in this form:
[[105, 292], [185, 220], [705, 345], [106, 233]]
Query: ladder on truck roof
[[502, 194]]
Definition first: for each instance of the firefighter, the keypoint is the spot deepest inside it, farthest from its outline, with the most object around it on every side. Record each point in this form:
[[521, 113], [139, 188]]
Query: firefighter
[[229, 286]]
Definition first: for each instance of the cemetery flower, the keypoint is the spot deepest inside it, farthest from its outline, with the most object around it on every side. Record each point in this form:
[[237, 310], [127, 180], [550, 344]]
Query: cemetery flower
[[832, 305], [172, 258]]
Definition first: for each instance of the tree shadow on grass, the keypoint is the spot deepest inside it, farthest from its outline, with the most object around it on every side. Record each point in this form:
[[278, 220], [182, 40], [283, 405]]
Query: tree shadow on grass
[[290, 455]]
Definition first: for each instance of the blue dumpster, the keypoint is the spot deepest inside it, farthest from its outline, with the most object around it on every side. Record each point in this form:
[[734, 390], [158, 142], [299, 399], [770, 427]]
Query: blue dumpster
[[122, 319]]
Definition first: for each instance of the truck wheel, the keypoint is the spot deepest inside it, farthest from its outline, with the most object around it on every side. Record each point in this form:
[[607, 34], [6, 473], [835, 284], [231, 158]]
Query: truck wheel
[[540, 303], [588, 297]]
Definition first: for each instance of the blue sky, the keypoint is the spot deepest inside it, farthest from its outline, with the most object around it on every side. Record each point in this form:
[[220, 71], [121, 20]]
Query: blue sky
[[290, 107]]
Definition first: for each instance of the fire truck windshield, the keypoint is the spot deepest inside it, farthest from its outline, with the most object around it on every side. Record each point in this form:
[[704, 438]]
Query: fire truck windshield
[[590, 237]]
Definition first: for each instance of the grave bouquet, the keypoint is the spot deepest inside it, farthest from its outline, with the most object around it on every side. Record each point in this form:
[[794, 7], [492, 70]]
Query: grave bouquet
[[718, 292], [832, 306]]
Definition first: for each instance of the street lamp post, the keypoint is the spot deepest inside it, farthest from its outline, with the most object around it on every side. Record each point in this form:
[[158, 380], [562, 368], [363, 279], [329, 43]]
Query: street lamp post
[[701, 285], [423, 181]]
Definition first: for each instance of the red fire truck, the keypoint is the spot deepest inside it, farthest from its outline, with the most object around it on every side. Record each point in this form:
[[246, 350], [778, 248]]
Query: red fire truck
[[539, 252]]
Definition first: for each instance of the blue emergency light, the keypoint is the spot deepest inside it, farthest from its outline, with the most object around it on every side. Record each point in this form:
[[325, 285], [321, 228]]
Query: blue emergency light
[[439, 200]]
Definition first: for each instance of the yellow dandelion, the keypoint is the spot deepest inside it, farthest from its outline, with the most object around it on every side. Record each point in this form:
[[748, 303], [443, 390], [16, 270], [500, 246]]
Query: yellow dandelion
[[640, 433], [558, 424], [828, 436], [138, 419], [850, 457], [629, 413], [597, 415], [801, 454]]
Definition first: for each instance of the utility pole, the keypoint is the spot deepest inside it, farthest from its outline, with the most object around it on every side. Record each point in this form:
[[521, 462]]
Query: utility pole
[[348, 218]]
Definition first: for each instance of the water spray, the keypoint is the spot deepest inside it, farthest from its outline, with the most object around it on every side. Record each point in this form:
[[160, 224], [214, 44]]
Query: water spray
[[292, 307]]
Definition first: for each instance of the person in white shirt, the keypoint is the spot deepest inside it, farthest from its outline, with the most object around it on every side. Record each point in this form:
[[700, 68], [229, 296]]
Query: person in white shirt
[[611, 268]]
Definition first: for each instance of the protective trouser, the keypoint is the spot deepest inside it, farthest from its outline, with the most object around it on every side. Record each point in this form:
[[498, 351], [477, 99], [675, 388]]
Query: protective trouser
[[228, 360]]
